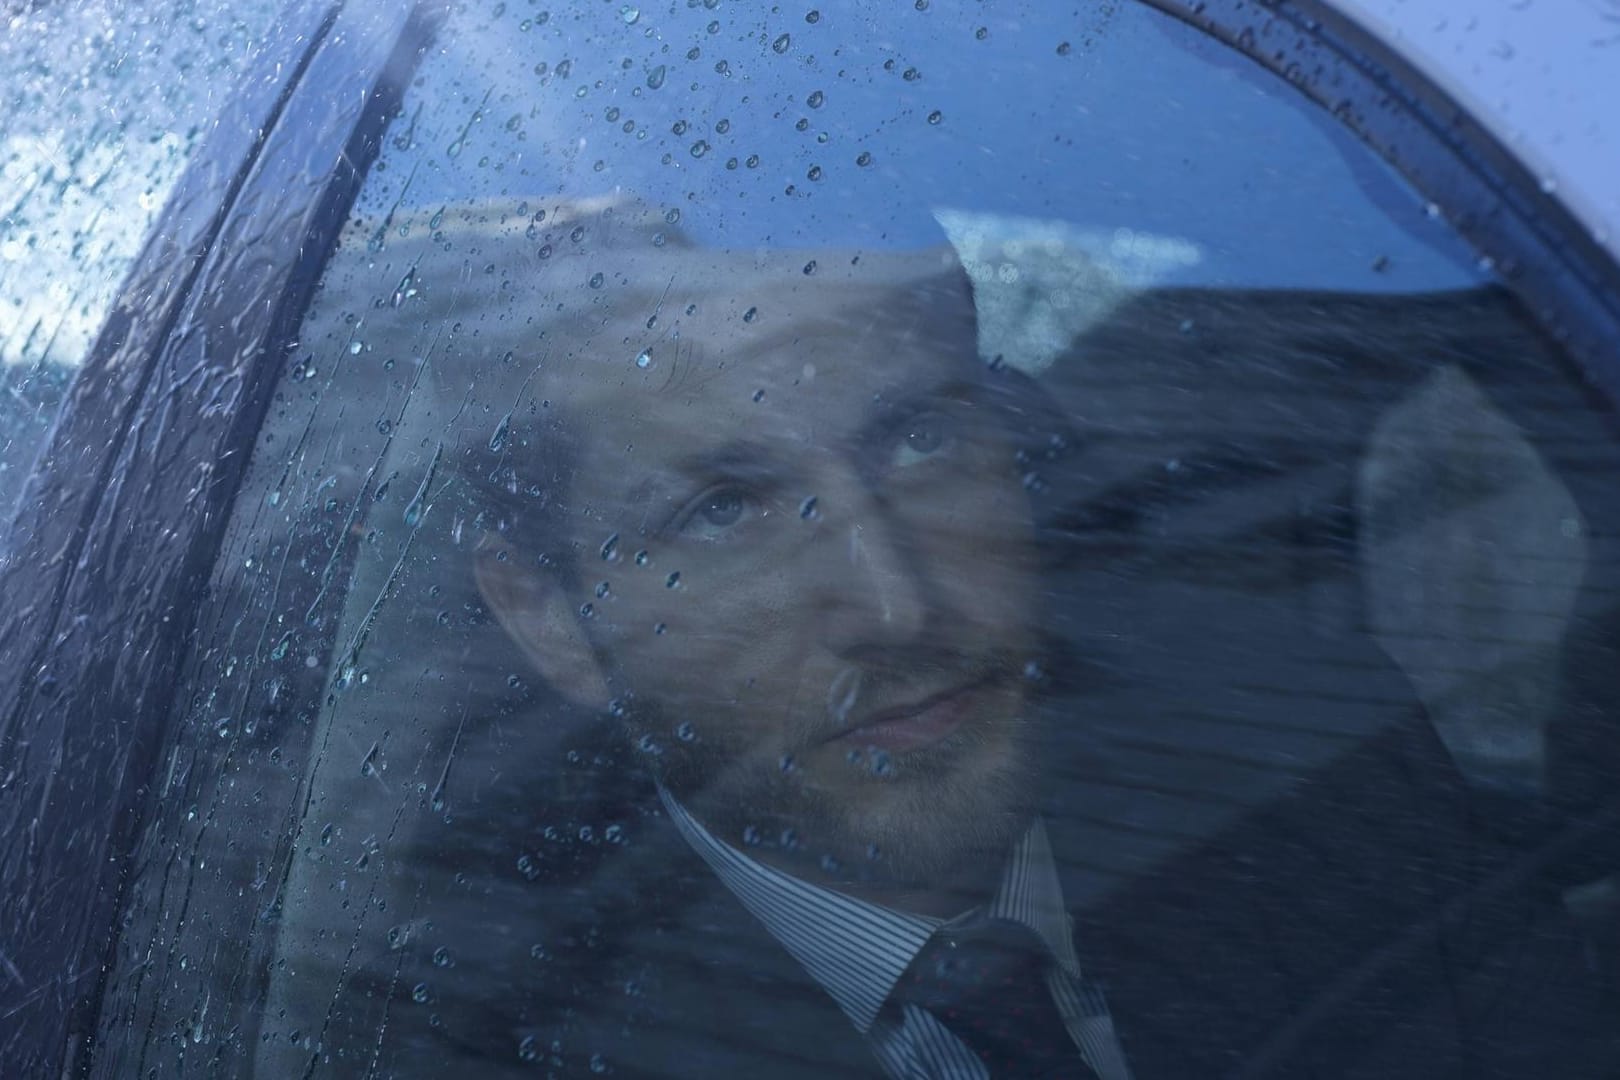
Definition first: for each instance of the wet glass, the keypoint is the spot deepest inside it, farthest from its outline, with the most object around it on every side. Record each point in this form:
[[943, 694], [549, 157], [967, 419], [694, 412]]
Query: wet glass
[[103, 105], [764, 508]]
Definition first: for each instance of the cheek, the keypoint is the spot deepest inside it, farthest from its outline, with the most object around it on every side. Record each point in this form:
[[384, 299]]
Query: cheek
[[977, 540], [731, 637]]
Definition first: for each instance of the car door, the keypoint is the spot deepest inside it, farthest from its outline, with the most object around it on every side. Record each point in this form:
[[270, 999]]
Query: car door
[[1318, 475]]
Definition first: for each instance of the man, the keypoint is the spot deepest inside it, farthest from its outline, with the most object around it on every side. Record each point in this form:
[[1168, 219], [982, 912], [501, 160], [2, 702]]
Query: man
[[819, 605], [773, 519]]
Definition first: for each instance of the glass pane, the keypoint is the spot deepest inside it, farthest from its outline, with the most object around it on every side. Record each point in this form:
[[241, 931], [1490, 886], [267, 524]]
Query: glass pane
[[103, 105], [852, 542]]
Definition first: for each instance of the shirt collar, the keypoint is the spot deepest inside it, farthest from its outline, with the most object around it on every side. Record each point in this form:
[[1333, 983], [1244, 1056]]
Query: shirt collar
[[857, 950]]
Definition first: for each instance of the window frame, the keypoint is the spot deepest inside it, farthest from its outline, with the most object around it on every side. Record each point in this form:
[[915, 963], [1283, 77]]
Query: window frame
[[123, 515], [125, 512], [1472, 179]]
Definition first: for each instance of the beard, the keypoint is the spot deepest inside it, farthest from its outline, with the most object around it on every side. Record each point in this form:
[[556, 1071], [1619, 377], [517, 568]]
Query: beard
[[941, 817]]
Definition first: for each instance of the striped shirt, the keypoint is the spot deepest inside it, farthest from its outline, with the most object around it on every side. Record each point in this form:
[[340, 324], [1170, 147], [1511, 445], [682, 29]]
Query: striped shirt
[[857, 951]]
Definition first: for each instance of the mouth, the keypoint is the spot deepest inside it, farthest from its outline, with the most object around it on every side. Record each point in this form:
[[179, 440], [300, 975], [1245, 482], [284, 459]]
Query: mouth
[[916, 724]]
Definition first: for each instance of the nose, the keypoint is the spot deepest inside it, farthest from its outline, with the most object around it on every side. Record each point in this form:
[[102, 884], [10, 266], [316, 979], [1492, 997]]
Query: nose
[[868, 578]]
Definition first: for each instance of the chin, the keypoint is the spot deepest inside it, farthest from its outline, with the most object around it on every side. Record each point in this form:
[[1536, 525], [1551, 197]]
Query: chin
[[940, 813], [941, 824]]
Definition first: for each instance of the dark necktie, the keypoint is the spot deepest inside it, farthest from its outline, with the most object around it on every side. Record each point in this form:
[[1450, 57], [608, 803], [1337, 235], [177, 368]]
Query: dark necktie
[[987, 983]]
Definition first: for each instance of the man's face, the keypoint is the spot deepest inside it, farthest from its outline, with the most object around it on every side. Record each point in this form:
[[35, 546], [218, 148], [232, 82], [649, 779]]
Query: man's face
[[821, 602]]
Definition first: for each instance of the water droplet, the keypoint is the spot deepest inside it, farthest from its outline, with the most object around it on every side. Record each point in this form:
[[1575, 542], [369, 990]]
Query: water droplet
[[786, 764], [751, 314], [807, 509], [642, 558], [613, 834], [863, 159], [586, 611], [537, 952], [610, 548], [759, 395], [810, 267], [686, 732], [660, 629], [419, 993], [442, 957], [753, 161], [596, 280], [529, 1048], [405, 288], [782, 43], [598, 1064], [750, 836], [812, 16], [815, 99], [326, 835], [1064, 48], [935, 117], [602, 590], [911, 74], [644, 359], [655, 77], [673, 580], [629, 15], [497, 441], [545, 251], [700, 148]]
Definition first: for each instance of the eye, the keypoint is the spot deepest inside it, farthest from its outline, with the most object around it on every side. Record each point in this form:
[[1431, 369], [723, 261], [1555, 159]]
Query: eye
[[716, 512], [923, 436]]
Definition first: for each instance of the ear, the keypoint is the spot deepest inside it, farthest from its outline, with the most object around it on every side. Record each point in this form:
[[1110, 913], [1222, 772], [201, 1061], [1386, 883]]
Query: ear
[[535, 611]]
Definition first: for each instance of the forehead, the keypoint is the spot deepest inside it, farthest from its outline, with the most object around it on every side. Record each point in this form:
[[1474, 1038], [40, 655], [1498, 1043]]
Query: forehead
[[744, 350]]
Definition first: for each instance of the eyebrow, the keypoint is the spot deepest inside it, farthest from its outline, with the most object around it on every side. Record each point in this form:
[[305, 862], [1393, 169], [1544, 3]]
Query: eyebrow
[[890, 411], [740, 459], [750, 461]]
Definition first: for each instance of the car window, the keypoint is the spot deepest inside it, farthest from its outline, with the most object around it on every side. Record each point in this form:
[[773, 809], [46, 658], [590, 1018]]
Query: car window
[[104, 104], [871, 541]]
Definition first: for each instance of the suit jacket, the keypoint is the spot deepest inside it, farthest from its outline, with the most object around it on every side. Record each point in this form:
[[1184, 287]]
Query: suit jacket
[[1339, 932]]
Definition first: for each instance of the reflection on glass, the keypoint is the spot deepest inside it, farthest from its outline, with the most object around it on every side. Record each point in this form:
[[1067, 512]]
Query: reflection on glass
[[942, 622]]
